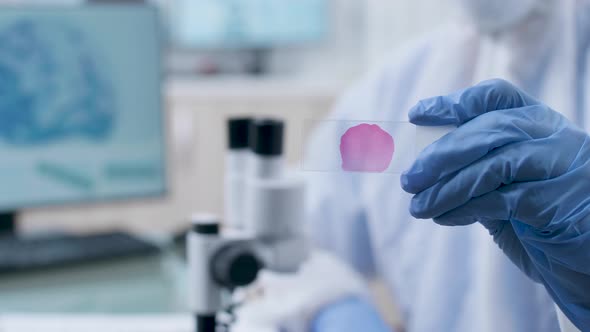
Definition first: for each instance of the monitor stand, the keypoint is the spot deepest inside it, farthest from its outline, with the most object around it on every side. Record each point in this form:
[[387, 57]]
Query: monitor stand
[[259, 62], [8, 221]]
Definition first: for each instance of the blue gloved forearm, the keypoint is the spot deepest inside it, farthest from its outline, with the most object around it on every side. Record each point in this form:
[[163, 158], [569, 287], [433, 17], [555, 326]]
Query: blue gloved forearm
[[520, 169], [349, 315]]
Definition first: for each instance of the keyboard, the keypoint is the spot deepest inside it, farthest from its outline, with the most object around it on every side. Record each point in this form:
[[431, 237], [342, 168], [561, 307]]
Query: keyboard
[[20, 254]]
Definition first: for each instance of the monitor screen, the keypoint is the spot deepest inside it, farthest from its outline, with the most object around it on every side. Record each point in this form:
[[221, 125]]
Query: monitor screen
[[247, 23], [80, 109]]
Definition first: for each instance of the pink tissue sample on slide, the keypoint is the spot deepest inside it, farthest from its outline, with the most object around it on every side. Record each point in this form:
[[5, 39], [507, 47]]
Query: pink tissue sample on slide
[[366, 148]]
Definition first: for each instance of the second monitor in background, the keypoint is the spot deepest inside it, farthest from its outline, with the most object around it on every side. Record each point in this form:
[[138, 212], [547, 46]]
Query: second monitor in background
[[247, 23], [237, 36]]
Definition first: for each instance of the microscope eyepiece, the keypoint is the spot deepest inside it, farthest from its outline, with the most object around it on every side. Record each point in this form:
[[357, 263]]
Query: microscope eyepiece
[[205, 224], [266, 137], [238, 130]]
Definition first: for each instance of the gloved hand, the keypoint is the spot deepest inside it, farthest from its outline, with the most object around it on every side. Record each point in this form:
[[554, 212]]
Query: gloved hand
[[313, 299], [520, 169]]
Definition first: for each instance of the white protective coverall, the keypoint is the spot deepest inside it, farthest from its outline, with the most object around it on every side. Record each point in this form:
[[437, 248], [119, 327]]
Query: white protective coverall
[[449, 279]]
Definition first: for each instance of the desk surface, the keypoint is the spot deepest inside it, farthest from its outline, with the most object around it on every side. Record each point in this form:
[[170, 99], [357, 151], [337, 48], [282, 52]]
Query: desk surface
[[128, 295], [92, 323], [151, 284], [104, 323]]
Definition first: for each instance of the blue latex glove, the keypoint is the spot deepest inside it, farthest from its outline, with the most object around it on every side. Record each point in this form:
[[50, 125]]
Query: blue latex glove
[[520, 169], [349, 315]]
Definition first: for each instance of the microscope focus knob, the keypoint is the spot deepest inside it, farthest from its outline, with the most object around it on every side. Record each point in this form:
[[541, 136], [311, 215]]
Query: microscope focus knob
[[235, 266]]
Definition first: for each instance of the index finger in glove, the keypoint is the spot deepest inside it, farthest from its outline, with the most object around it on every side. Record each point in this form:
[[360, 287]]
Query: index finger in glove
[[464, 105], [476, 139]]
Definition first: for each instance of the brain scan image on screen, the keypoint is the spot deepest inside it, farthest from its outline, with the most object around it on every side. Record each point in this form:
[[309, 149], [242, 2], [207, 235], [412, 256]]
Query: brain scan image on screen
[[51, 85], [80, 105]]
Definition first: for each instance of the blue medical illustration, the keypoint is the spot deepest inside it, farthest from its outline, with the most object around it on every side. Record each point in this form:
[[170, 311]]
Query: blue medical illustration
[[52, 85]]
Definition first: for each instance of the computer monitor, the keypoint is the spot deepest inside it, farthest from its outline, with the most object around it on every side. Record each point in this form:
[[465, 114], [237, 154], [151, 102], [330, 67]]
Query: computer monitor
[[80, 105], [252, 24]]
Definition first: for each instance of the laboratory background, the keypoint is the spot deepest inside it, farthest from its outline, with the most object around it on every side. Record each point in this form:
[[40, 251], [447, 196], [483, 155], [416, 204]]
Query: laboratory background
[[125, 129], [208, 78]]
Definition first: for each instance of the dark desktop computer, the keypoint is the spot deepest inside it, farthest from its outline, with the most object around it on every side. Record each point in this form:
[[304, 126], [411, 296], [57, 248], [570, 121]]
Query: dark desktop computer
[[81, 121]]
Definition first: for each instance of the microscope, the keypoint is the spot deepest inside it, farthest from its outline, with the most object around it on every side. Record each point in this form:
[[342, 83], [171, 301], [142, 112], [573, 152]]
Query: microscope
[[264, 230]]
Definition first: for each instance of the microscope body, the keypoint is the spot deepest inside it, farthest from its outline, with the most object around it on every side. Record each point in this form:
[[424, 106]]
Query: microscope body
[[218, 264], [206, 297], [270, 233]]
